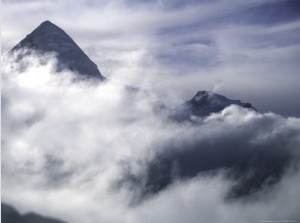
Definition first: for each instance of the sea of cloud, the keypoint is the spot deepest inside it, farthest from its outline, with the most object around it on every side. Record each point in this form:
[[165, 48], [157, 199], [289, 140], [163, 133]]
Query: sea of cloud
[[65, 144]]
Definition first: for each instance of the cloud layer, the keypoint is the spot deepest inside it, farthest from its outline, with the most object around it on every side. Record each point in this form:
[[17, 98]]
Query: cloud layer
[[66, 145]]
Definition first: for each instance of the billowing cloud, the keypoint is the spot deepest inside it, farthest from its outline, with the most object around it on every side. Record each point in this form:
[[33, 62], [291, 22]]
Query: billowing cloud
[[85, 152], [254, 150]]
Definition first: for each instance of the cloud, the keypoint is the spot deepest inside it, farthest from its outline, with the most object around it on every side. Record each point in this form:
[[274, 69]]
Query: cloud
[[255, 149], [65, 144], [201, 199]]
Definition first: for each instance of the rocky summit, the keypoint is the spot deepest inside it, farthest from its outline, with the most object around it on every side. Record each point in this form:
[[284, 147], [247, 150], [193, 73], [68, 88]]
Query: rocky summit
[[205, 103], [49, 38]]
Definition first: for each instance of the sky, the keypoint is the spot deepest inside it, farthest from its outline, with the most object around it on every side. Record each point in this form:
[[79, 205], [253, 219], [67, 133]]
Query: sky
[[97, 152]]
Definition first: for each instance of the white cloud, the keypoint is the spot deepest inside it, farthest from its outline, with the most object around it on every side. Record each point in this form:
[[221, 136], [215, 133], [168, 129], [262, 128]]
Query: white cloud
[[64, 145]]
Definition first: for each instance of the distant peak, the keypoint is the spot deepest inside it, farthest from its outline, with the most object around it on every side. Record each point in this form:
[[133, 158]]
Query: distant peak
[[49, 38]]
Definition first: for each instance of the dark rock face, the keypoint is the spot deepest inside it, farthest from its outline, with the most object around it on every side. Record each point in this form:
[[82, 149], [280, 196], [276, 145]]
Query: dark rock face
[[11, 215], [49, 38]]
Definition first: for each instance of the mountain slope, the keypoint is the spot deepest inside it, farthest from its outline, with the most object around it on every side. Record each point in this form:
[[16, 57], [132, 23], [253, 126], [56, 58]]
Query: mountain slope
[[49, 38]]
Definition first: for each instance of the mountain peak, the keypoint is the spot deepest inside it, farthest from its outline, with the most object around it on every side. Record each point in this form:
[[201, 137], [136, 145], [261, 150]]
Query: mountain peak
[[49, 38], [206, 102], [47, 26]]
